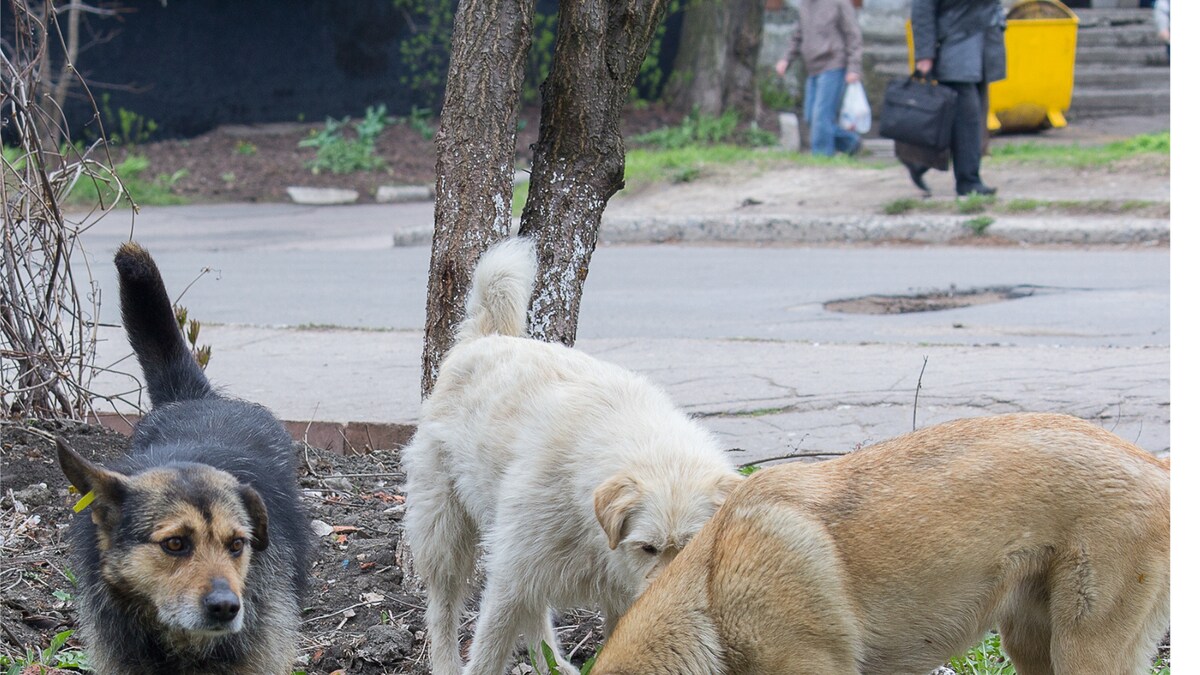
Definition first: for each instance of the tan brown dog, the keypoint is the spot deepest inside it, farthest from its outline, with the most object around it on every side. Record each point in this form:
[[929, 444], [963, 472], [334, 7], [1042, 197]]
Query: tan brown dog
[[899, 556]]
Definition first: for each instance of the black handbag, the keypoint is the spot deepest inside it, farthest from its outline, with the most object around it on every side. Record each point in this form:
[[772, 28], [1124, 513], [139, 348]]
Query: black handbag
[[918, 111]]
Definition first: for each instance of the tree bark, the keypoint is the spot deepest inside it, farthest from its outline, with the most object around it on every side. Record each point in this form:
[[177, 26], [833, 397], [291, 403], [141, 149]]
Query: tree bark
[[716, 68], [579, 158], [476, 147]]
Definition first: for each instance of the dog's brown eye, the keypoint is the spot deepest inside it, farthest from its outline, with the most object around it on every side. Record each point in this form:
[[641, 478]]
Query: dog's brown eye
[[236, 546], [176, 546], [649, 548]]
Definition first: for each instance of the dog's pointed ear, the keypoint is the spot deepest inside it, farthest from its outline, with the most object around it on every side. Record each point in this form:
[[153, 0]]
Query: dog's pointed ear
[[725, 485], [109, 488], [613, 501], [257, 511]]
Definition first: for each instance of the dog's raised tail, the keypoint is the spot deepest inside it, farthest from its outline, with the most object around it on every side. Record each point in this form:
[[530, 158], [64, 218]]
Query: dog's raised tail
[[169, 367], [500, 290]]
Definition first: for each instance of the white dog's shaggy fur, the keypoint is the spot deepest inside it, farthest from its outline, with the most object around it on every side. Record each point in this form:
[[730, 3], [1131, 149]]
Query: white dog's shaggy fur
[[579, 479]]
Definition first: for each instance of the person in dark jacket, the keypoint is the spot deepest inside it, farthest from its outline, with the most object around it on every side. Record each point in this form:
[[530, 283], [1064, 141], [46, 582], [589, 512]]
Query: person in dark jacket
[[960, 43]]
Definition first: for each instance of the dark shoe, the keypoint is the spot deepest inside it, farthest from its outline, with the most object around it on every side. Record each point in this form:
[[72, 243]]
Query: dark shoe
[[978, 189], [917, 174]]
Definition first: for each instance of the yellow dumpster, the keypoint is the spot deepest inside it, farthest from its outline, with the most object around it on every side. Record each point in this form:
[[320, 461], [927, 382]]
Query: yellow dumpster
[[1040, 46]]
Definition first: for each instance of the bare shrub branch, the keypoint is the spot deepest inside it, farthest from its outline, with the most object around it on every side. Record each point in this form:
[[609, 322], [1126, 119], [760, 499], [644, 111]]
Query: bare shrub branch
[[48, 306]]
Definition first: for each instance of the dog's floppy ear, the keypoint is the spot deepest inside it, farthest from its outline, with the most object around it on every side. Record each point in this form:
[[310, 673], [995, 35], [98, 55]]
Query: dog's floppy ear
[[108, 488], [257, 511], [613, 500], [725, 485]]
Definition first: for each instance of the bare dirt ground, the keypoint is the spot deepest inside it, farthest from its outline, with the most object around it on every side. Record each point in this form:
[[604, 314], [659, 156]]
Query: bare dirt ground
[[258, 163], [254, 164]]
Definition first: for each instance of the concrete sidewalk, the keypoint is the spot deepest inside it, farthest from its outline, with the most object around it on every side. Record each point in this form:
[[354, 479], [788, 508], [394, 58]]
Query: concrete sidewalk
[[765, 399]]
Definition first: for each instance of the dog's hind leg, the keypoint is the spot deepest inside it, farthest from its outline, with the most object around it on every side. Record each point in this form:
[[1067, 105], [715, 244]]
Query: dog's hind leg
[[443, 539], [1107, 616], [503, 611], [1025, 628]]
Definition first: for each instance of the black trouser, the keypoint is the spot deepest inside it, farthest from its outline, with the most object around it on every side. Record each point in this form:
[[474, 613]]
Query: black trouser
[[966, 139]]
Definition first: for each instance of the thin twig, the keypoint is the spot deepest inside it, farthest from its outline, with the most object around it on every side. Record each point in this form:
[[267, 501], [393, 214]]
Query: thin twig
[[918, 391], [791, 455]]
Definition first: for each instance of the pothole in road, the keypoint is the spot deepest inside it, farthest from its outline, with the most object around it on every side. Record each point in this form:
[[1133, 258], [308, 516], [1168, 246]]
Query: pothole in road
[[932, 301]]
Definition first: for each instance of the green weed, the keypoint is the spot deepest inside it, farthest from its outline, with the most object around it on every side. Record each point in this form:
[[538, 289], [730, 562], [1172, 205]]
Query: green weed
[[749, 469], [695, 129], [1022, 205], [245, 148], [53, 656], [979, 224], [974, 203], [775, 96], [899, 207], [986, 658], [341, 155], [552, 664], [420, 121], [191, 332]]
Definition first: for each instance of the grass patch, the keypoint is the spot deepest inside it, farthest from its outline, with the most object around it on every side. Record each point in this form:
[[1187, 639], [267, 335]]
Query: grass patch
[[974, 203], [134, 172], [978, 204], [979, 224], [1022, 205], [1084, 156], [899, 207]]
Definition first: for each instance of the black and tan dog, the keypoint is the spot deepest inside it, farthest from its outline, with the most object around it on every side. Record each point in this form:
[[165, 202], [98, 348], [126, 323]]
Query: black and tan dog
[[196, 552]]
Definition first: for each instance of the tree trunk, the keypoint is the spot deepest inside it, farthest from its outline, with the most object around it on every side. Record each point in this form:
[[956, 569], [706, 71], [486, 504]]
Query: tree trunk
[[716, 67], [579, 158], [476, 146]]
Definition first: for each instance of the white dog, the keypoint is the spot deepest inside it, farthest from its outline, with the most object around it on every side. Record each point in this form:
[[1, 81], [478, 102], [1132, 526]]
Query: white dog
[[579, 479]]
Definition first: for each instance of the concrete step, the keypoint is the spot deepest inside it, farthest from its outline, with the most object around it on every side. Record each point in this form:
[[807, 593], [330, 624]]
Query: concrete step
[[1114, 17], [1121, 57], [1110, 102], [1119, 36], [1144, 77]]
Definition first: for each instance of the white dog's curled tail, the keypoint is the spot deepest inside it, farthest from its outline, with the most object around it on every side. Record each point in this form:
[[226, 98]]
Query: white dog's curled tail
[[500, 290]]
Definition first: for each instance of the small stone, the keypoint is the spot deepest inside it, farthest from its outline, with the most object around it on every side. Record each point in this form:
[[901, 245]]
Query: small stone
[[386, 644], [340, 483], [418, 235], [397, 194], [789, 131], [322, 196], [35, 495], [321, 528]]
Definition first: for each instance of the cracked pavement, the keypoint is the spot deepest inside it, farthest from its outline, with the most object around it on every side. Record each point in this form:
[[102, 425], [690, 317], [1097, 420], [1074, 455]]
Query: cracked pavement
[[737, 335]]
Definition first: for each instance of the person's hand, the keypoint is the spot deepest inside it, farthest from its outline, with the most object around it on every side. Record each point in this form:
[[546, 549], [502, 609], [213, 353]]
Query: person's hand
[[851, 78], [1165, 35], [924, 66], [781, 66]]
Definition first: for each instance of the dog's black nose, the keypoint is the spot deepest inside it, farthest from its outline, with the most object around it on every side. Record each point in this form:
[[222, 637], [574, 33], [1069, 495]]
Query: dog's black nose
[[222, 603]]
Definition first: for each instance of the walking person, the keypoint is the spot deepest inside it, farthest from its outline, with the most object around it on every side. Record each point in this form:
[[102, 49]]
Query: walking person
[[1162, 18], [829, 40], [960, 43]]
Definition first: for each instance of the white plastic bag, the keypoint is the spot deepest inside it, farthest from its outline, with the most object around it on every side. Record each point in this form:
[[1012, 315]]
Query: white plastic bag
[[856, 111]]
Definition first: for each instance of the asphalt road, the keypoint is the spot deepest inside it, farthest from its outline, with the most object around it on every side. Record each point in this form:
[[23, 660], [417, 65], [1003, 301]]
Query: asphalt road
[[289, 268]]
